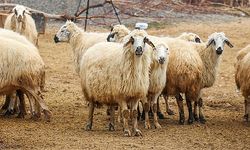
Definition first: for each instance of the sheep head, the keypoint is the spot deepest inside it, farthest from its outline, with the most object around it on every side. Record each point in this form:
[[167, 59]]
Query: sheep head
[[63, 35], [161, 53], [218, 40], [20, 12], [117, 33], [191, 37], [136, 41]]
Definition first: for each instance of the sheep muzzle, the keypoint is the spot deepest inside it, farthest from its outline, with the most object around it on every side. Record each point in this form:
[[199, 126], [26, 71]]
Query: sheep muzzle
[[56, 39], [138, 51]]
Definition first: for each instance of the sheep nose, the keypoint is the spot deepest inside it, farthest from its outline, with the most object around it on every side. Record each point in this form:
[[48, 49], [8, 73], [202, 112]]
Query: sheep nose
[[56, 39], [161, 60], [219, 50], [197, 40], [111, 35], [138, 50], [19, 18]]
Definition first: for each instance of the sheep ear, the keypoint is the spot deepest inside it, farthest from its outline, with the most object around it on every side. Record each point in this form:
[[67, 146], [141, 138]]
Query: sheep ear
[[131, 40], [15, 11], [146, 40], [13, 23], [210, 41], [229, 43], [28, 12], [112, 28]]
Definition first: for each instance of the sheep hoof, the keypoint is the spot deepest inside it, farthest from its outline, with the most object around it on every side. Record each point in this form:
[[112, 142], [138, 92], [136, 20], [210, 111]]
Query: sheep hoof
[[203, 120], [190, 121], [157, 126], [196, 117], [111, 127], [20, 115], [147, 125], [8, 113], [88, 127], [127, 132], [160, 115], [246, 117], [34, 117], [138, 132], [47, 114], [181, 121], [170, 112]]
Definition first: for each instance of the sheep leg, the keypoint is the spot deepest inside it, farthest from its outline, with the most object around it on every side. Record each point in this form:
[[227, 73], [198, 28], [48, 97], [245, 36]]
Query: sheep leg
[[125, 116], [201, 116], [190, 112], [134, 118], [119, 115], [181, 109], [6, 104], [139, 110], [22, 108], [247, 109], [112, 118], [10, 109], [196, 118], [32, 106], [146, 107], [159, 113], [154, 107], [168, 109], [90, 116]]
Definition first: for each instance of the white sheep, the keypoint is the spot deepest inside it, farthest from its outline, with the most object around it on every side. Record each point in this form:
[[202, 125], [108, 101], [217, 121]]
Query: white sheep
[[8, 107], [22, 70], [242, 79], [79, 40], [243, 52], [122, 70], [157, 81], [184, 75], [210, 53], [20, 21], [191, 37], [118, 32]]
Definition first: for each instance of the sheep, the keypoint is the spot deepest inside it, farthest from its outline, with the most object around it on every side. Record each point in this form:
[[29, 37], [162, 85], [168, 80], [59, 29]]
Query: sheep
[[191, 37], [21, 21], [21, 71], [157, 80], [122, 70], [184, 75], [240, 55], [118, 32], [10, 99], [242, 79], [79, 40], [243, 52], [186, 36], [210, 53]]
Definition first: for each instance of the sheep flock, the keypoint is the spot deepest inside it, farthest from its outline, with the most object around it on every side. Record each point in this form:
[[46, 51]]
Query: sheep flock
[[121, 69]]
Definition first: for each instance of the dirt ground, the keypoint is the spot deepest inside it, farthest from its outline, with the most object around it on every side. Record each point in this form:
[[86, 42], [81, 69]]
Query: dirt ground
[[224, 129]]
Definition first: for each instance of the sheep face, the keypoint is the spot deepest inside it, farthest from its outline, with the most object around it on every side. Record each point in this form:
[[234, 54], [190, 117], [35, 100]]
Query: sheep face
[[137, 41], [191, 37], [218, 40], [194, 38], [117, 32], [162, 53], [19, 11], [62, 35]]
